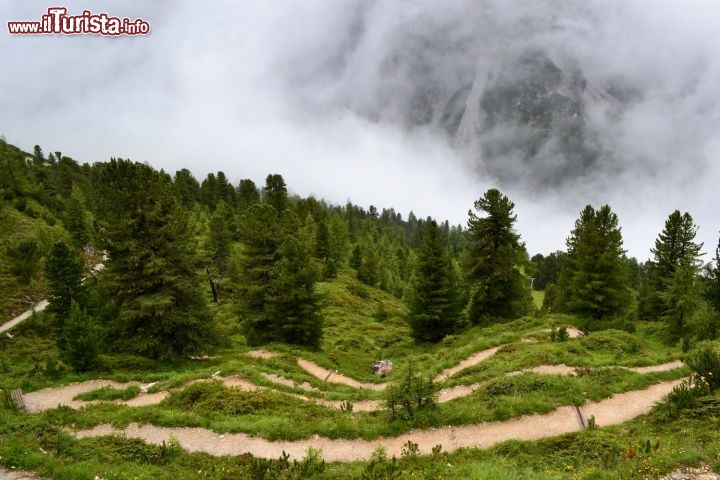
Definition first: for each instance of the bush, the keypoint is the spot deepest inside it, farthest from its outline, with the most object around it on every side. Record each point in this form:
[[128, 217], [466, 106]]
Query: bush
[[705, 362], [410, 395], [612, 341]]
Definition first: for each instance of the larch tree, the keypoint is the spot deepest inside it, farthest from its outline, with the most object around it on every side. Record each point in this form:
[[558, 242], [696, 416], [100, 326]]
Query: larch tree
[[493, 261], [433, 298], [595, 282]]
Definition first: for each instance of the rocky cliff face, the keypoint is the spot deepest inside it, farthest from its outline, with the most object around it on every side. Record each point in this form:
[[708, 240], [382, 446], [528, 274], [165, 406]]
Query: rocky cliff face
[[529, 115]]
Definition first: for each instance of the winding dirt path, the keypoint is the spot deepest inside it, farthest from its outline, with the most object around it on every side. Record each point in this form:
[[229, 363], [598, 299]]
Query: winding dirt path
[[38, 307], [470, 361], [332, 376], [617, 409]]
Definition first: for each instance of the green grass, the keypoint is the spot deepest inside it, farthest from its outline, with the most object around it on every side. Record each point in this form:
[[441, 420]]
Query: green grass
[[110, 394], [354, 336]]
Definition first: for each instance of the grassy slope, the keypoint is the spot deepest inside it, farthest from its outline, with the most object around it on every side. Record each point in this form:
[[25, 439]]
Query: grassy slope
[[15, 226], [353, 338]]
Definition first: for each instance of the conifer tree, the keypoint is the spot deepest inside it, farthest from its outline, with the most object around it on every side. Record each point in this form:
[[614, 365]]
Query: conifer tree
[[674, 247], [81, 340], [276, 192], [219, 235], [64, 272], [150, 274], [433, 300], [261, 236], [247, 194], [712, 286], [279, 300], [493, 259], [595, 282], [293, 307]]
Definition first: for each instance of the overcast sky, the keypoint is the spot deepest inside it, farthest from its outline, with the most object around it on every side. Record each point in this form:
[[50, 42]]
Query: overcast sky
[[302, 89]]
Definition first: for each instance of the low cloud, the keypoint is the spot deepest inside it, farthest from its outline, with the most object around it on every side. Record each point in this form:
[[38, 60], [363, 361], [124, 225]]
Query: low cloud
[[343, 99]]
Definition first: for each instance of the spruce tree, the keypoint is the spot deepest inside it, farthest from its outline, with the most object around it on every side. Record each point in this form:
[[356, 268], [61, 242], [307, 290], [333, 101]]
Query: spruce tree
[[595, 282], [433, 300], [493, 259], [150, 274]]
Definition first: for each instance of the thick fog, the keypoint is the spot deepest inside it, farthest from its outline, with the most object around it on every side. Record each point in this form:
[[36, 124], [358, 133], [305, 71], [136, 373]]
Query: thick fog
[[377, 102]]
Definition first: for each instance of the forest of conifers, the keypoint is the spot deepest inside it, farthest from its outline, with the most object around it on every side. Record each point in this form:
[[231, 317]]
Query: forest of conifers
[[172, 245]]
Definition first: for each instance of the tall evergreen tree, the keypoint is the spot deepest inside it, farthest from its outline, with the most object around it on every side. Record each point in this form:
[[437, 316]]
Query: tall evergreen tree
[[595, 283], [187, 187], [433, 300], [493, 259], [674, 247], [219, 235], [681, 299], [276, 192], [247, 194], [81, 340], [150, 274], [294, 307], [712, 286], [261, 235], [64, 272]]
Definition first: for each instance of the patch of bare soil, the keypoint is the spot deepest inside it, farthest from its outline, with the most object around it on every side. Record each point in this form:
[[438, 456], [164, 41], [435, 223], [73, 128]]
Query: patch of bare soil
[[6, 474], [262, 354], [48, 398], [701, 472], [447, 394], [561, 369], [289, 383], [473, 359], [664, 367], [617, 409], [333, 376]]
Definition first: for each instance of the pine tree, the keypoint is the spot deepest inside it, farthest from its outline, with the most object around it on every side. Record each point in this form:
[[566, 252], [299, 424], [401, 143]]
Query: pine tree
[[276, 192], [81, 340], [339, 239], [64, 272], [279, 301], [493, 259], [293, 307], [77, 219], [187, 187], [322, 242], [433, 300], [595, 282], [261, 236], [219, 236], [247, 194], [674, 247], [150, 274], [681, 298], [712, 285]]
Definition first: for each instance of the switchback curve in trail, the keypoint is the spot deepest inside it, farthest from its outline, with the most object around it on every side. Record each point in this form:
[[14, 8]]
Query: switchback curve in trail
[[616, 409]]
